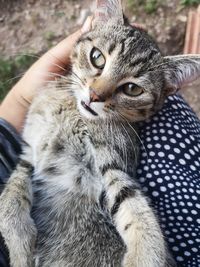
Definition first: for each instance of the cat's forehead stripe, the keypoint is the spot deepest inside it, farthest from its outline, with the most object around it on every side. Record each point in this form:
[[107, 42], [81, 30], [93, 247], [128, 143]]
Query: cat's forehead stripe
[[111, 48], [143, 58], [122, 46], [81, 40]]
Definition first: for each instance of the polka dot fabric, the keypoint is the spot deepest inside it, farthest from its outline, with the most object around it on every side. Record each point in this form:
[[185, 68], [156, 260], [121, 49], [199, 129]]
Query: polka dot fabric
[[169, 172]]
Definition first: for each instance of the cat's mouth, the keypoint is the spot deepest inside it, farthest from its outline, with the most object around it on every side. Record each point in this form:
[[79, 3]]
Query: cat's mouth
[[88, 108]]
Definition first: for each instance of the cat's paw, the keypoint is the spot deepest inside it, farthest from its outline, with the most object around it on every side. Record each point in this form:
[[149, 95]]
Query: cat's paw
[[150, 259], [18, 230], [130, 260], [19, 237]]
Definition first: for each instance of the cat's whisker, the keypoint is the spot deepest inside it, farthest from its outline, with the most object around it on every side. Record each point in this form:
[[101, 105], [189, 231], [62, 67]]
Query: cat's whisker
[[123, 146], [61, 85], [58, 59], [135, 132], [14, 78], [67, 78], [110, 131], [107, 130], [55, 75], [58, 90], [121, 143], [60, 67], [24, 54], [56, 87], [113, 134], [133, 147], [38, 57], [62, 80], [76, 76]]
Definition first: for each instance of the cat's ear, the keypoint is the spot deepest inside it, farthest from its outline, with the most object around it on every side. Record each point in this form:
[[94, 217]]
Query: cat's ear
[[180, 70], [108, 9]]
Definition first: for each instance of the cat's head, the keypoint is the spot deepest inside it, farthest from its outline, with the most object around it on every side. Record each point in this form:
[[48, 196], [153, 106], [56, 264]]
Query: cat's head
[[119, 70]]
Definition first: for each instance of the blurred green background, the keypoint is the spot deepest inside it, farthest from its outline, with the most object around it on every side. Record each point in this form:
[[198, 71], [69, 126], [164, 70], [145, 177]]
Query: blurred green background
[[30, 27]]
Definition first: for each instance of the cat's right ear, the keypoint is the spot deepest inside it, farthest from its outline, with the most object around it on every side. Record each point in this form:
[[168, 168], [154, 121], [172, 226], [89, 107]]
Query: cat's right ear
[[180, 70], [107, 10]]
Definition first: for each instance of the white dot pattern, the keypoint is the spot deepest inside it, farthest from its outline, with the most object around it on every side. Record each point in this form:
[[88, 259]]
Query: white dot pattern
[[169, 172]]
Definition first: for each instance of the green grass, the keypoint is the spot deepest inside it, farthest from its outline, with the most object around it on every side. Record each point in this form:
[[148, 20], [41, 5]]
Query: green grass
[[151, 6], [11, 70], [189, 2], [49, 37]]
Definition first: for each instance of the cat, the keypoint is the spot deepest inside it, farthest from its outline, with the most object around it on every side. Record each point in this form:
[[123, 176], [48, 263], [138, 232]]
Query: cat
[[73, 199]]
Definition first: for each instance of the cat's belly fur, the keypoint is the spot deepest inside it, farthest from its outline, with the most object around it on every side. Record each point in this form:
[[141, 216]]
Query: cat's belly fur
[[72, 229], [79, 236]]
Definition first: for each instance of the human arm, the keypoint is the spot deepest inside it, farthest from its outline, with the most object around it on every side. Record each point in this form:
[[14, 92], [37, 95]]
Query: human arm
[[15, 106]]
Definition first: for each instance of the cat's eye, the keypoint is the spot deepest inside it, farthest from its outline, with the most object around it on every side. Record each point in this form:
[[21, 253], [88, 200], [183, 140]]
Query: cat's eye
[[97, 58], [131, 89]]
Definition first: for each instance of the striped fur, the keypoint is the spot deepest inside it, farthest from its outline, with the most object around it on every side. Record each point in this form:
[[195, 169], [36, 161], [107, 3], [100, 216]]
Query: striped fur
[[73, 200]]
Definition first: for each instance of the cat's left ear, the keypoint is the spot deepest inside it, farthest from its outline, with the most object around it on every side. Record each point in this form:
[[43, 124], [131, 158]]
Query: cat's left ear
[[180, 70], [107, 10]]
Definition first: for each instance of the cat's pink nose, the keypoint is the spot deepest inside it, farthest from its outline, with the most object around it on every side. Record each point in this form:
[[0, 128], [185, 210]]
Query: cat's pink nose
[[94, 97]]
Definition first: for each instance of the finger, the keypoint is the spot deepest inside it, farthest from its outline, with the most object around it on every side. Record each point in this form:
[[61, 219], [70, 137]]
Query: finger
[[139, 26], [53, 62], [63, 50]]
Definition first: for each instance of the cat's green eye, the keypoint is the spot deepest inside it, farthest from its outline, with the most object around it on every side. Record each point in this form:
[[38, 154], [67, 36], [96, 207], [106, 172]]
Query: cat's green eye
[[131, 89], [97, 58]]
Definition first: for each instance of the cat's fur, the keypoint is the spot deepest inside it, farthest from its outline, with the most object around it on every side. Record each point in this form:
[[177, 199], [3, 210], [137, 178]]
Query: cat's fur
[[87, 208]]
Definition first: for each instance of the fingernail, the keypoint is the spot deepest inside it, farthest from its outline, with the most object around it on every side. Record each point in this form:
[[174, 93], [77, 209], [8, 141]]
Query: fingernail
[[87, 25]]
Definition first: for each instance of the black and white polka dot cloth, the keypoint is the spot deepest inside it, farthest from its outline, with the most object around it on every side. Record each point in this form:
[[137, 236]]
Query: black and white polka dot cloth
[[169, 172]]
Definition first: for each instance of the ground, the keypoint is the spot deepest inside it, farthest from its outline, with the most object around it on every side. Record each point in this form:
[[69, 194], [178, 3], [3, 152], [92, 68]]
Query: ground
[[30, 27]]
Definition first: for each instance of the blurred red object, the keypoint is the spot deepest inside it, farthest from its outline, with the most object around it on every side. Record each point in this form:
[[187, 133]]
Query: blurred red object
[[192, 39]]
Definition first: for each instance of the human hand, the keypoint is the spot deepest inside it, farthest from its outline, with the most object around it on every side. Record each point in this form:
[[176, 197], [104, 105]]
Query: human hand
[[49, 66], [53, 63]]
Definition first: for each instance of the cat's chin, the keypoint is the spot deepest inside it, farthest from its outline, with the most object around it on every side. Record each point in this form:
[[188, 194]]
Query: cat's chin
[[88, 112]]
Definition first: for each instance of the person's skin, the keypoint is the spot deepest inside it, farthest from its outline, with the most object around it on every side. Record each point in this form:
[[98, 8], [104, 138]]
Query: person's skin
[[15, 105]]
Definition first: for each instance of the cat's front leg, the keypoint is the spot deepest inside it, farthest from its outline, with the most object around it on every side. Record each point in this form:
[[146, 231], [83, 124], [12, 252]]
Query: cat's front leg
[[16, 224], [135, 221]]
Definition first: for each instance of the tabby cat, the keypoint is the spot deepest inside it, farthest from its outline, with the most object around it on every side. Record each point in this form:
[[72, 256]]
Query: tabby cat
[[72, 200]]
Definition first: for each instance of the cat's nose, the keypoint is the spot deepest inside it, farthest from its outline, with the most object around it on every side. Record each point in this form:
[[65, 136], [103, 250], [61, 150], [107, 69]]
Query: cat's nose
[[94, 97]]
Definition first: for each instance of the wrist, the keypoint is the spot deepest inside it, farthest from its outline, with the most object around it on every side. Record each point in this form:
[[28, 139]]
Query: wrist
[[14, 109], [20, 97], [34, 79]]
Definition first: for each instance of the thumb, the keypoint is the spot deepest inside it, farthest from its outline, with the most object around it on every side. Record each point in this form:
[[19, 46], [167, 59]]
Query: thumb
[[63, 50]]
